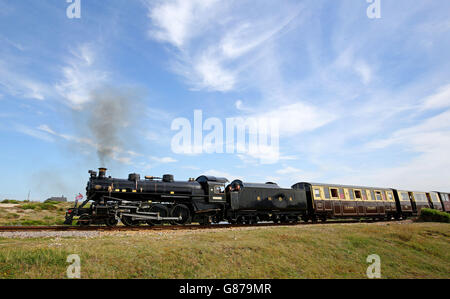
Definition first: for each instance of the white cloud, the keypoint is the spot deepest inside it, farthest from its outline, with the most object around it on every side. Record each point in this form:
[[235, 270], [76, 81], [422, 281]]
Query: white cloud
[[298, 117], [440, 99], [164, 160], [80, 76], [288, 170], [18, 84], [176, 21], [211, 38], [33, 133]]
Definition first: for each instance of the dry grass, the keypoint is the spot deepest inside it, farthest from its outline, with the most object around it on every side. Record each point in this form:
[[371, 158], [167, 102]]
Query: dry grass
[[414, 250]]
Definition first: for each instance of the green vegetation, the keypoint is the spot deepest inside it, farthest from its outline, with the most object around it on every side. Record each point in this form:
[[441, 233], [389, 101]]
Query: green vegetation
[[407, 250], [38, 206], [430, 215], [12, 201], [33, 213]]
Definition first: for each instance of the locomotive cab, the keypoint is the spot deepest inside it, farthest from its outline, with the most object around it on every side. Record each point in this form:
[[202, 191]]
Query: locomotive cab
[[214, 188]]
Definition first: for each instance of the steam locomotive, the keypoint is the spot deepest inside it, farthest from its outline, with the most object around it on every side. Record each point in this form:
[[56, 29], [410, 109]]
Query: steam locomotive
[[207, 199]]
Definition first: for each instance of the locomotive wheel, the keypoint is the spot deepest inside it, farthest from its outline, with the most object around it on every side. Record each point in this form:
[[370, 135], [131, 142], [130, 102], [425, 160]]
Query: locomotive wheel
[[183, 212], [127, 221], [111, 222], [84, 220], [162, 210]]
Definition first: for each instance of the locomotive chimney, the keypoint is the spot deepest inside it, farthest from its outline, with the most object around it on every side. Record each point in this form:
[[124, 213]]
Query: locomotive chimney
[[102, 173]]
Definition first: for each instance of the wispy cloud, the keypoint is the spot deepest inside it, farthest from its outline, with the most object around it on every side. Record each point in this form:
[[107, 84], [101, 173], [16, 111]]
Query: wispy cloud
[[19, 84], [212, 61], [81, 76], [440, 99]]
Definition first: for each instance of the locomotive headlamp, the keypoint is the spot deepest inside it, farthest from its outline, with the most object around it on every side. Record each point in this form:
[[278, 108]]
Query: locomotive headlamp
[[98, 187]]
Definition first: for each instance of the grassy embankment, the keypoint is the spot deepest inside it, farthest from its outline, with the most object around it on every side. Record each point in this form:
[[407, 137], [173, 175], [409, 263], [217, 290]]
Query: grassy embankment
[[32, 213], [414, 250]]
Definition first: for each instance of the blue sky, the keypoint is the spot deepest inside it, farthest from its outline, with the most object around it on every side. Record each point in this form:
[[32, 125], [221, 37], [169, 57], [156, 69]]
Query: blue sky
[[360, 101]]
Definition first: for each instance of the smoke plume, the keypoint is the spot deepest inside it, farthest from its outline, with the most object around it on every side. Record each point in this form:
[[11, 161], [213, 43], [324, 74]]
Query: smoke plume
[[111, 119]]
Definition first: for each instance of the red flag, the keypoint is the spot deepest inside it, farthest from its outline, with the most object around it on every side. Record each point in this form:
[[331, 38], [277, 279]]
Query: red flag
[[79, 196]]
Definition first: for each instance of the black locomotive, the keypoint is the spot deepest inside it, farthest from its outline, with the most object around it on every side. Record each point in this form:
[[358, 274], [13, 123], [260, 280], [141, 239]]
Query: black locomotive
[[205, 200]]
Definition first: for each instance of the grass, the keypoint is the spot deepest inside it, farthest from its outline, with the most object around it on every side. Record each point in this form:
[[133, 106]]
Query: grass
[[33, 213], [414, 250]]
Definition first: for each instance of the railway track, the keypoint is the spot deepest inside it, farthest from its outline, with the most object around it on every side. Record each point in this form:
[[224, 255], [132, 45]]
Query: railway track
[[167, 227]]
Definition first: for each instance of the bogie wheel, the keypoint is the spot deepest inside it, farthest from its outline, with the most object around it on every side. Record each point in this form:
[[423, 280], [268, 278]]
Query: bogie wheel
[[162, 210], [112, 221], [183, 213], [84, 220]]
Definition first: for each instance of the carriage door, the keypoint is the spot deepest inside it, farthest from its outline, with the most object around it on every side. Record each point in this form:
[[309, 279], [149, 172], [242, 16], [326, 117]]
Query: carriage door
[[380, 202], [337, 210], [349, 205]]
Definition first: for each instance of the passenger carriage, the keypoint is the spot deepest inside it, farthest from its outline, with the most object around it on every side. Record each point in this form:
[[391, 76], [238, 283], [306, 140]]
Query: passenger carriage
[[344, 201], [445, 201], [410, 202]]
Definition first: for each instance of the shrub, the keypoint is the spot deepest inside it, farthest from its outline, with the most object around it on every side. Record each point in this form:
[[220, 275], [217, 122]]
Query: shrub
[[11, 201], [430, 215], [38, 206]]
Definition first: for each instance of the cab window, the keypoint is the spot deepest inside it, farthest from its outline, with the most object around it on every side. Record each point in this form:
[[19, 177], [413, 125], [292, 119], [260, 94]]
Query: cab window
[[219, 189]]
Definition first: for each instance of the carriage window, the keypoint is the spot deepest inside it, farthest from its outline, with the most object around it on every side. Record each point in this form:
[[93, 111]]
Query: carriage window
[[341, 193], [317, 193], [326, 193], [358, 194], [389, 195], [334, 193], [378, 195], [434, 197], [405, 196], [418, 197]]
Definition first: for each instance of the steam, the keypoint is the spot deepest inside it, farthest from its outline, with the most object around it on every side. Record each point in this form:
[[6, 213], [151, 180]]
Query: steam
[[110, 120]]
